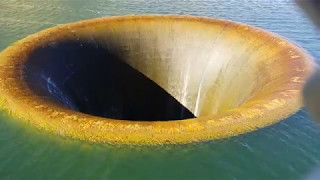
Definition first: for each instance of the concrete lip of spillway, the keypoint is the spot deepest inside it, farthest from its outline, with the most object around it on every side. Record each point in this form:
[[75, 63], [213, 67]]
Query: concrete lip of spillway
[[152, 79]]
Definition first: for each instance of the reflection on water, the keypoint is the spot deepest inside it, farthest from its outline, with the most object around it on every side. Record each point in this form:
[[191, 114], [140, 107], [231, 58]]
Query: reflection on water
[[286, 150]]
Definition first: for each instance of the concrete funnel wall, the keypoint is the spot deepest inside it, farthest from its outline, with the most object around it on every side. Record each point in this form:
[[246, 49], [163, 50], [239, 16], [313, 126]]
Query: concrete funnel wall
[[234, 78]]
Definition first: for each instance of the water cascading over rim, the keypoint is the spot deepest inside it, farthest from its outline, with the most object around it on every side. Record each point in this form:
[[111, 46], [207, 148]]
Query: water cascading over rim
[[152, 79]]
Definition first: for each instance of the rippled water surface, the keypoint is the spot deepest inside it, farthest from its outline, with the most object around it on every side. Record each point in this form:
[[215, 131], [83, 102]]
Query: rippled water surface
[[289, 149]]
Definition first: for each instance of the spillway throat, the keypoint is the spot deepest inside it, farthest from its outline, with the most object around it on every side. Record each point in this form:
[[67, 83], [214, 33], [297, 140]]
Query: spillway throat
[[88, 78]]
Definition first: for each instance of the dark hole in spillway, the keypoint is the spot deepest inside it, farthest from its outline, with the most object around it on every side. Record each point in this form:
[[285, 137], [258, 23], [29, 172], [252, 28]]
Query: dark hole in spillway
[[88, 78]]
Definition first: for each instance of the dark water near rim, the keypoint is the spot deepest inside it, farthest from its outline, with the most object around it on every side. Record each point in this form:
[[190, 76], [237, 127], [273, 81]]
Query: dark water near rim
[[88, 78], [289, 149]]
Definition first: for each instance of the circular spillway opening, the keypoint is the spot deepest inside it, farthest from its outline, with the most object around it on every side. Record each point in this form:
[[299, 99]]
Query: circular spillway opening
[[89, 78], [152, 79]]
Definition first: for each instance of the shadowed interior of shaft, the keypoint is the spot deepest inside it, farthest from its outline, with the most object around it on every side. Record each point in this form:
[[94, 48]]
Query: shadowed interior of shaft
[[90, 79]]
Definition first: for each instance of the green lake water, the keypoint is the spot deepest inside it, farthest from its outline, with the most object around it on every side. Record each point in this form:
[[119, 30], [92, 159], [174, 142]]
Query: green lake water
[[289, 149]]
